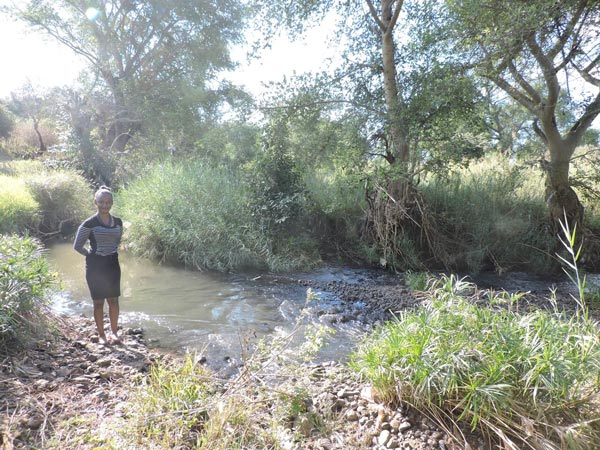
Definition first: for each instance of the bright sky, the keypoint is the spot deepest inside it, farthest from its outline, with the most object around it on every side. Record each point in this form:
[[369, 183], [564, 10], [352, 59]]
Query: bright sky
[[27, 56]]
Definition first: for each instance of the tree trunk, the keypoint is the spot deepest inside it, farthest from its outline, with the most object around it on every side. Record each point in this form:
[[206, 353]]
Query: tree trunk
[[392, 100], [42, 145], [562, 200]]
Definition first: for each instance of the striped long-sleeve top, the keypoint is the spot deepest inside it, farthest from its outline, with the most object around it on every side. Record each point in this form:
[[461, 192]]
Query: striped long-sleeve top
[[104, 239]]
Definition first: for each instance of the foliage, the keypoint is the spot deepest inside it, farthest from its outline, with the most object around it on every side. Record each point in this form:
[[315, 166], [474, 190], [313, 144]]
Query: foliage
[[7, 122], [18, 208], [524, 379], [267, 404], [202, 216], [42, 200], [25, 278], [171, 404], [64, 197], [481, 208], [152, 68]]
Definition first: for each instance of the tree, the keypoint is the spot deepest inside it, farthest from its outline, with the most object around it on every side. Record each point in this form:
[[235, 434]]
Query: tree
[[7, 122], [151, 61], [406, 105], [533, 51], [31, 105]]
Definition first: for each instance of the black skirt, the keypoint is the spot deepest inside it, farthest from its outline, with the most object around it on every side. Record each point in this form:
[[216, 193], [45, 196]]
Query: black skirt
[[103, 276]]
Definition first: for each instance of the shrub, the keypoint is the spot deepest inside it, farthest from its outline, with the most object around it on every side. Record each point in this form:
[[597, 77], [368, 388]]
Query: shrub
[[528, 379], [202, 216], [25, 278], [492, 215], [61, 196], [18, 208]]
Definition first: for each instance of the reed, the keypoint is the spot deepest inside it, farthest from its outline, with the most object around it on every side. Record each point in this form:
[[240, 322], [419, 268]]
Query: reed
[[24, 284], [525, 380], [202, 216]]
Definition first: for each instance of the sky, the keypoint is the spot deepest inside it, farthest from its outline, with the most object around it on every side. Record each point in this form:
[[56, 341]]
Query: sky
[[30, 57]]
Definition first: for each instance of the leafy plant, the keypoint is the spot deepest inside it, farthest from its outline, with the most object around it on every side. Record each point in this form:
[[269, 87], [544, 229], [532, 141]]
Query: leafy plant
[[526, 380], [25, 278]]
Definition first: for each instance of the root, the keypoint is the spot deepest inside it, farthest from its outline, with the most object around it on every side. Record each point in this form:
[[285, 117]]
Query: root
[[400, 225]]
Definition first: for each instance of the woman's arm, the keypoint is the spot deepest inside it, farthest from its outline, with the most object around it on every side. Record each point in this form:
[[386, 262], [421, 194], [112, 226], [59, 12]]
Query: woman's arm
[[81, 237]]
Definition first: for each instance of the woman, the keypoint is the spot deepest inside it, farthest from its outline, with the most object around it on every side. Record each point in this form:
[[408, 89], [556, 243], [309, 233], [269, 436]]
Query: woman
[[102, 269]]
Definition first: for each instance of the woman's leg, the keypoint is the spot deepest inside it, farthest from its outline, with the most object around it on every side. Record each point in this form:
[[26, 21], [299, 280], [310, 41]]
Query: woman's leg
[[99, 319], [113, 315]]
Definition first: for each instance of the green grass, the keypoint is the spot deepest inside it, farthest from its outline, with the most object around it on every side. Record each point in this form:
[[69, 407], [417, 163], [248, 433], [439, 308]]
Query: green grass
[[492, 216], [36, 200], [18, 209], [527, 380], [202, 216], [25, 278]]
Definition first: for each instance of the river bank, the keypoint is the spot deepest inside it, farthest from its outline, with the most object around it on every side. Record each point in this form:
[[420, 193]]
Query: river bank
[[65, 390]]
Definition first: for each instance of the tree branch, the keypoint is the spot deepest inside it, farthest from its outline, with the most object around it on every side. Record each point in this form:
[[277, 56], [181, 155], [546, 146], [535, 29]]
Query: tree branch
[[585, 121], [373, 11]]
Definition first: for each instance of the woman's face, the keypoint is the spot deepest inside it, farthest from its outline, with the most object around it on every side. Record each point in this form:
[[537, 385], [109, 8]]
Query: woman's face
[[104, 202]]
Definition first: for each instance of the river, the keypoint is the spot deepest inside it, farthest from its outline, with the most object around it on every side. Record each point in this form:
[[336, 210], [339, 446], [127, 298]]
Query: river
[[212, 313]]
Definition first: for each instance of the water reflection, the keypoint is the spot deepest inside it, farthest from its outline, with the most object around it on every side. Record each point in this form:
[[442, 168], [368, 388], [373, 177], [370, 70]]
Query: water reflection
[[209, 312], [177, 307]]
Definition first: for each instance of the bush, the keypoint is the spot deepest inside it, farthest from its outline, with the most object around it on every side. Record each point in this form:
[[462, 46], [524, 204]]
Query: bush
[[528, 379], [62, 196], [202, 216], [25, 278], [336, 209], [41, 200], [18, 208], [493, 216]]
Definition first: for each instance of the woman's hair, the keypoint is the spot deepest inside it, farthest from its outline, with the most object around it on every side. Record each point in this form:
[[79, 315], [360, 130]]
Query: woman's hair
[[103, 190]]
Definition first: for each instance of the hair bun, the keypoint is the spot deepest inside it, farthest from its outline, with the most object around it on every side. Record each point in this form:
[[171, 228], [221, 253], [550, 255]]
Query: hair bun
[[104, 188]]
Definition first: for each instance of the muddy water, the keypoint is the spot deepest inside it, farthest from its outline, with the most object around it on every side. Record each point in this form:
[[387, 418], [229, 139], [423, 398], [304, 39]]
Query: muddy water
[[189, 310]]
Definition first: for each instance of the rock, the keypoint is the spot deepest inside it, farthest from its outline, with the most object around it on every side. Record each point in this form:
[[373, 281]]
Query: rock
[[34, 422], [393, 443], [384, 437], [351, 415], [106, 362], [404, 426]]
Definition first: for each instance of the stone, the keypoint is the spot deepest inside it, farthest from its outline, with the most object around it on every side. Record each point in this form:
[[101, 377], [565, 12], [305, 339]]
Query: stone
[[106, 362], [351, 415], [384, 437], [406, 425], [393, 443]]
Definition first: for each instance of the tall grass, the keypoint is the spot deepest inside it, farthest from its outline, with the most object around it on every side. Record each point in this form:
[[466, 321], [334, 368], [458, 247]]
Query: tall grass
[[36, 199], [18, 209], [493, 216], [25, 278], [202, 216], [528, 381]]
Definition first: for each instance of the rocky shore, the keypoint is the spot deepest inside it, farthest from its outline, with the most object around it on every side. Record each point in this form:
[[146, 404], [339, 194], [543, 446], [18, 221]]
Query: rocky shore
[[64, 375], [67, 376]]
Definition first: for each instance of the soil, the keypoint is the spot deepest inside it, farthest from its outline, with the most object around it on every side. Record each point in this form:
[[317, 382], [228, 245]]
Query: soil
[[68, 374]]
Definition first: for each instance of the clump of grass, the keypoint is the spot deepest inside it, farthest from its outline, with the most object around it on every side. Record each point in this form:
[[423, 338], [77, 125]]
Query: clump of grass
[[481, 208], [25, 278], [202, 216], [267, 404], [417, 281], [18, 208], [38, 200], [62, 196], [172, 404], [526, 380]]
